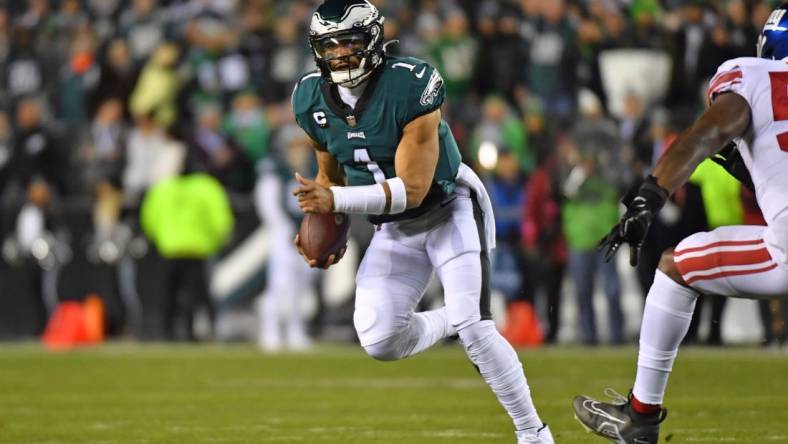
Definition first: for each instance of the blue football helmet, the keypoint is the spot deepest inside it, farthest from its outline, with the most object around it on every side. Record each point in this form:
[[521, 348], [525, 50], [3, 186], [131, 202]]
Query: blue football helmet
[[773, 40]]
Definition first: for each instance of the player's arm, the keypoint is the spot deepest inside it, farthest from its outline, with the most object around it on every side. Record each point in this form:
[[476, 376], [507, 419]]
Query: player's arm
[[329, 172], [416, 158], [727, 118]]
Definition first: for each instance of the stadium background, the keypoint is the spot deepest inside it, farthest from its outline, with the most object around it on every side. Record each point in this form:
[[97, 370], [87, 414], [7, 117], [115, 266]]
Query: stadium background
[[559, 105], [100, 100]]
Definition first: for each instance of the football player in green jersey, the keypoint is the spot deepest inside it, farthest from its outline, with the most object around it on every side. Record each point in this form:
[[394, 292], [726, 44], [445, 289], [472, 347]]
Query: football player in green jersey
[[383, 150]]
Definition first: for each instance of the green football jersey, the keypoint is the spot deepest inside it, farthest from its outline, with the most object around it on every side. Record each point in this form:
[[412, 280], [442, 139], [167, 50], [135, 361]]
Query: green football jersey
[[364, 140]]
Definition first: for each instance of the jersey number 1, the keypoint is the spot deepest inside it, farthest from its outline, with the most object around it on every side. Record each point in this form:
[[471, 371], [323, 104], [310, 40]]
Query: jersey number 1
[[779, 82], [361, 155]]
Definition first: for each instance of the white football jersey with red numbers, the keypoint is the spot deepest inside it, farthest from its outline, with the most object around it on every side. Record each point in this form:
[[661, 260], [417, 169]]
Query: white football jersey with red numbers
[[764, 85]]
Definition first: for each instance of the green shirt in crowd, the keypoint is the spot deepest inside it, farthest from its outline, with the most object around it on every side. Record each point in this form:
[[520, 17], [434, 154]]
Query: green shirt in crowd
[[589, 216]]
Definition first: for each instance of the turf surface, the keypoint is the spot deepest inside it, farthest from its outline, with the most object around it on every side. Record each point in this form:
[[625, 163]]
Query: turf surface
[[144, 393]]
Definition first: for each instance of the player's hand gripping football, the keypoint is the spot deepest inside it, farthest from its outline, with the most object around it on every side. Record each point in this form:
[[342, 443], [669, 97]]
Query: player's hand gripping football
[[313, 197], [633, 226], [331, 260]]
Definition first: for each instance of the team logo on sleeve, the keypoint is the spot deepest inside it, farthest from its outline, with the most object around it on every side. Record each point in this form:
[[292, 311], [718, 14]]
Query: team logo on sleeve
[[432, 89], [320, 119]]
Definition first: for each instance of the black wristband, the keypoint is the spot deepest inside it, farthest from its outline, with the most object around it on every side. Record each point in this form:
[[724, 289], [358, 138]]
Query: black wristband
[[655, 195]]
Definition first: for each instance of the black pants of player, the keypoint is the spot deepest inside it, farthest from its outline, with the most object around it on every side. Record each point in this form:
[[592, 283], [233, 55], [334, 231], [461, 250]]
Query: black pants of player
[[186, 289]]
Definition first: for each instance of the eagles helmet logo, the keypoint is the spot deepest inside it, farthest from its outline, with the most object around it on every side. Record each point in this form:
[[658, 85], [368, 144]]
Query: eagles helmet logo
[[346, 37]]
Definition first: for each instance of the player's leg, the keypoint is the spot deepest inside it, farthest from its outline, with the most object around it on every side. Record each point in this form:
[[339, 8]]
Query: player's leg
[[457, 248], [729, 261], [390, 282]]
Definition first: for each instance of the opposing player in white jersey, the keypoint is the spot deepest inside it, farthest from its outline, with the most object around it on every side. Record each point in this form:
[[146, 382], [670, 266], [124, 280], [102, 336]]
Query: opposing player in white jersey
[[748, 116], [383, 151]]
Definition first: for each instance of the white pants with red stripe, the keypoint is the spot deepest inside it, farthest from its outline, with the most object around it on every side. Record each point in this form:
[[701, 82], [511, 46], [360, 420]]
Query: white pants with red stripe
[[731, 261]]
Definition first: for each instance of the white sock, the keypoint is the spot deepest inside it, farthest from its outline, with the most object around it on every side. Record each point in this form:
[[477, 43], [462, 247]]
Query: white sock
[[666, 319], [501, 369]]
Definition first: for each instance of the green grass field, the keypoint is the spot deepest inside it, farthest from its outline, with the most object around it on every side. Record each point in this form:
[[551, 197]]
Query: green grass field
[[147, 393]]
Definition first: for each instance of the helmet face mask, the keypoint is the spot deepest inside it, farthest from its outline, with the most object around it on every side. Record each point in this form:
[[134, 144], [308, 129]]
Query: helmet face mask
[[346, 37]]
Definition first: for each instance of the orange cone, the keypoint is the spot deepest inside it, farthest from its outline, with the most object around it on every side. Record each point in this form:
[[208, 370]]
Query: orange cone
[[523, 328], [75, 323], [66, 327], [93, 310]]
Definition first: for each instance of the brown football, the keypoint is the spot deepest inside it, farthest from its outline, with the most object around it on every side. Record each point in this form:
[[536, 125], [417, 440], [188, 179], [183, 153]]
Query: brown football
[[322, 235]]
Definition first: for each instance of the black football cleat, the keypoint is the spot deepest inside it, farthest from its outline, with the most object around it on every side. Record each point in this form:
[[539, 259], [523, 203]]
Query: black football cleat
[[616, 420]]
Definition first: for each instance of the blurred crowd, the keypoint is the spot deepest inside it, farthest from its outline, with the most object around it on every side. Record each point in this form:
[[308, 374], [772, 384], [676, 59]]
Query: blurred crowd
[[560, 104]]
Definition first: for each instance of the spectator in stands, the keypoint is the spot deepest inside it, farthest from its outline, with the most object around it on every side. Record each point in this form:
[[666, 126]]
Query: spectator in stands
[[501, 50], [688, 34], [67, 21], [551, 72], [151, 156], [217, 68], [589, 209], [103, 13], [157, 88], [507, 196], [247, 123], [218, 154], [100, 163], [23, 72], [646, 32], [257, 44], [117, 75], [500, 127], [144, 28], [742, 35], [454, 54], [77, 80], [288, 60], [543, 240], [37, 159]]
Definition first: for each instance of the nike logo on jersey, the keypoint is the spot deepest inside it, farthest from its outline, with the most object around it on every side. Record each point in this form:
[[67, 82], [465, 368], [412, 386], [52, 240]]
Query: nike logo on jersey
[[356, 135], [420, 74]]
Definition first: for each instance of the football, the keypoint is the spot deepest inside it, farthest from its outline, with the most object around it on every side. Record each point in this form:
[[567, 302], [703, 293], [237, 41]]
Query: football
[[322, 235]]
